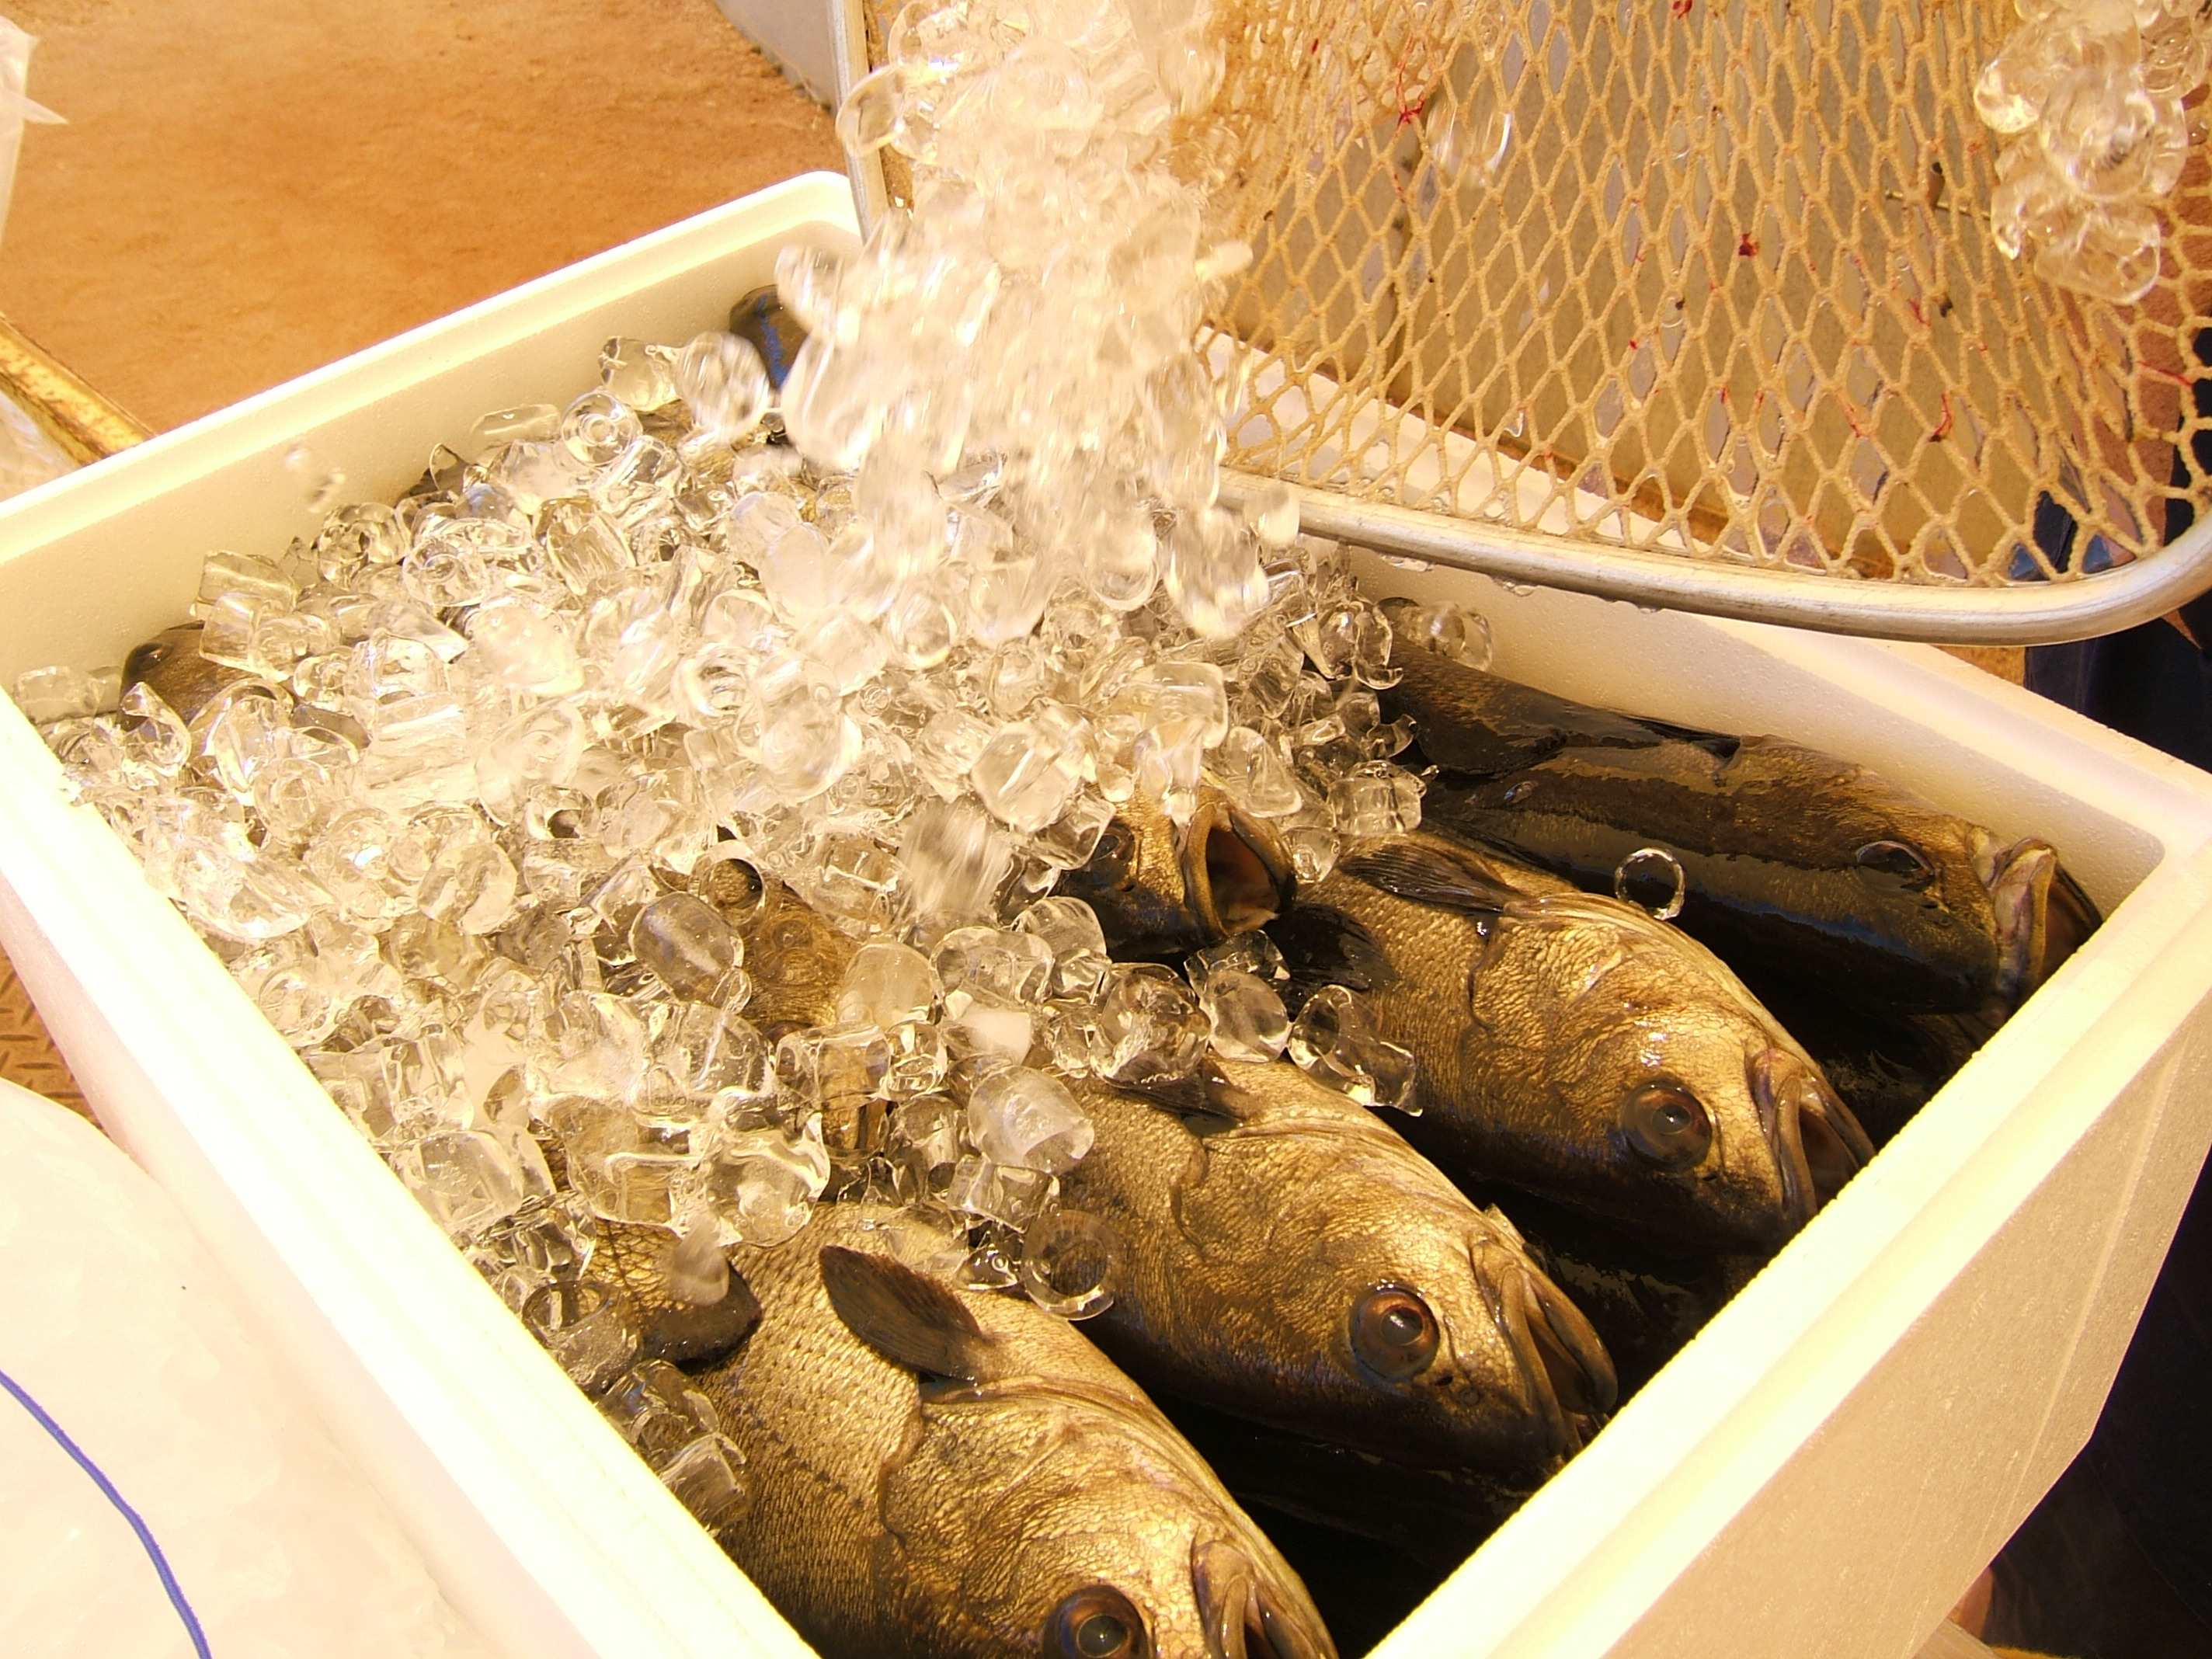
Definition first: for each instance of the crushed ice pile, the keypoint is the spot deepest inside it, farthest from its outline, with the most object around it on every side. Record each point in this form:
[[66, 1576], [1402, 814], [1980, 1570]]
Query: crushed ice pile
[[2090, 94], [653, 817]]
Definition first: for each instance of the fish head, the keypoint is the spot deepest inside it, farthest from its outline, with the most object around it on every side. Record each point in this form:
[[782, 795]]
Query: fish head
[[1120, 1545], [1439, 1340], [1158, 885], [1699, 1120]]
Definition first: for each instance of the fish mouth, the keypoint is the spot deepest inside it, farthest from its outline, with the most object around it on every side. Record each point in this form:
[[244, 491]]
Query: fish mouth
[[1236, 873], [2042, 916], [1818, 1145], [1243, 1617], [1567, 1367]]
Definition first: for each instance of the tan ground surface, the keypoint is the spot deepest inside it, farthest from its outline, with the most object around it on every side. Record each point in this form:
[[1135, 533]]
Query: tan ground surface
[[247, 189]]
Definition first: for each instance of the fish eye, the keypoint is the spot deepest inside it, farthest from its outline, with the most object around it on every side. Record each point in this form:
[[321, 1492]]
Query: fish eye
[[1096, 1623], [1668, 1125], [1907, 866], [1393, 1335]]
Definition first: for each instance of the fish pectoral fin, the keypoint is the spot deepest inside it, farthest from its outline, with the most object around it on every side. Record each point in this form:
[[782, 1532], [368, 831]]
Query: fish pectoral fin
[[1427, 872], [1322, 946], [906, 1316]]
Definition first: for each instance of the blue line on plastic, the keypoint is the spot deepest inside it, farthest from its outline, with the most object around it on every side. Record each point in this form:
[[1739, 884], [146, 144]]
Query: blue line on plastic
[[176, 1592]]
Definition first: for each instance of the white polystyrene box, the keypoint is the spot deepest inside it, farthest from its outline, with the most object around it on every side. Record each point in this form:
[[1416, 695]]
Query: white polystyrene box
[[1820, 1473]]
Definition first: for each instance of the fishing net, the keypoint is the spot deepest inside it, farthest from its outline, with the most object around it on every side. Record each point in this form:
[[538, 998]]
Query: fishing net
[[1709, 277]]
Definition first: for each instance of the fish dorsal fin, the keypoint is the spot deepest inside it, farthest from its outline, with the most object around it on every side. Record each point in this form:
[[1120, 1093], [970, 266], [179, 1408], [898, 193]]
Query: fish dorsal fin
[[1426, 872], [908, 1317]]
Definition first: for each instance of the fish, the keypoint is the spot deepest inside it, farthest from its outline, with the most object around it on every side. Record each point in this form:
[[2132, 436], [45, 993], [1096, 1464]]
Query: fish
[[797, 959], [1645, 1305], [1159, 888], [1886, 1065], [1573, 1046], [171, 666], [1291, 1258], [1792, 861], [937, 1474]]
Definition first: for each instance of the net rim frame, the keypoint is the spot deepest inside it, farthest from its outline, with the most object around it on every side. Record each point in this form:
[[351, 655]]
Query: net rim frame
[[2023, 613]]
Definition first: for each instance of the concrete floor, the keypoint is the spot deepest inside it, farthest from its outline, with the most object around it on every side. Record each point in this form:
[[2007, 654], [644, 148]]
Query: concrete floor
[[247, 189]]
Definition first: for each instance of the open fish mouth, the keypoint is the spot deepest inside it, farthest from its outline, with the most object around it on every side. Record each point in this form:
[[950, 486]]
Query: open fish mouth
[[1567, 1367], [1818, 1145], [1236, 873], [2042, 915], [1242, 1617]]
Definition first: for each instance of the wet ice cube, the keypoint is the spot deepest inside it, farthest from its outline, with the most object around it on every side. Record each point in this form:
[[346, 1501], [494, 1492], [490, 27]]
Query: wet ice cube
[[1333, 1040], [722, 380], [1008, 1194], [705, 1478], [464, 1177], [1071, 1262], [887, 985], [1250, 952], [1027, 1119], [525, 649], [761, 1184], [919, 1060], [1013, 963], [635, 374], [945, 751], [658, 1410], [689, 947], [1148, 1029], [1070, 929], [1246, 1014], [1376, 799], [472, 887], [832, 1062], [1253, 773], [954, 858], [984, 1022], [588, 1325], [1029, 773], [60, 693]]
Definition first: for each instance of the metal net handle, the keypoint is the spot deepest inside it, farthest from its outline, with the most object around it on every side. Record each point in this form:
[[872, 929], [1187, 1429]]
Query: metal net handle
[[2023, 613]]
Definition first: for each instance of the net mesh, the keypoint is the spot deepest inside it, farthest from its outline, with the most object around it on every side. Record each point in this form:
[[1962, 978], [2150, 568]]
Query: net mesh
[[1713, 277]]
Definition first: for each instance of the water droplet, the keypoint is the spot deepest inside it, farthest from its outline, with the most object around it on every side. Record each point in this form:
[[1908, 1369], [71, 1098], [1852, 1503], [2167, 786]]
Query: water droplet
[[1645, 869]]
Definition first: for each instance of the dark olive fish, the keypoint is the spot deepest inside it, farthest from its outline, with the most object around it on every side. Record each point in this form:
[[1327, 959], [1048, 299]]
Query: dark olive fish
[[1793, 861], [938, 1475], [1290, 1259], [1573, 1046], [1886, 1065], [1159, 888], [170, 665], [1645, 1306]]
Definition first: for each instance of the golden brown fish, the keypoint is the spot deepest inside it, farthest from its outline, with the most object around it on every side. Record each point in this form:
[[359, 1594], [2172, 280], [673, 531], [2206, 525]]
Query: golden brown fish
[[1570, 1044], [1289, 1258], [1159, 888], [942, 1475]]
